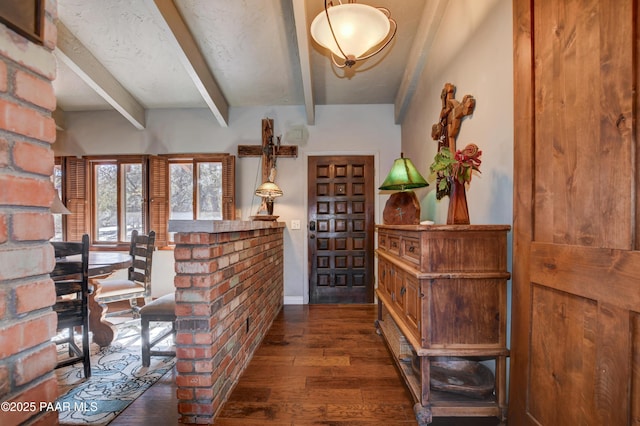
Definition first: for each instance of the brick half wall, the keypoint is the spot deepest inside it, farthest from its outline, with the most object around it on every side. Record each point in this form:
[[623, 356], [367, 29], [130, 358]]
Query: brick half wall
[[27, 323], [229, 289]]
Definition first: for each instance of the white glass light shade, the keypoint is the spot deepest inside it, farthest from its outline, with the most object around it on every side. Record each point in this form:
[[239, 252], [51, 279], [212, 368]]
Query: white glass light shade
[[358, 28], [268, 190]]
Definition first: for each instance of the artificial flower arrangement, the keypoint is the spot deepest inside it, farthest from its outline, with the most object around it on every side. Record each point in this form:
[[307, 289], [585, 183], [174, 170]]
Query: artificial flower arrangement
[[461, 166]]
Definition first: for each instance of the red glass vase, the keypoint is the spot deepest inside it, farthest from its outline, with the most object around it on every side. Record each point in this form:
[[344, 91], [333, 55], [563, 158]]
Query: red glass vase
[[458, 213]]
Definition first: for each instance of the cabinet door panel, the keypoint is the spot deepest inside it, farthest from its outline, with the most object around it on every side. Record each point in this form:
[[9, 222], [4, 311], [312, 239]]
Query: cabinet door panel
[[399, 288], [467, 312], [413, 303], [385, 278]]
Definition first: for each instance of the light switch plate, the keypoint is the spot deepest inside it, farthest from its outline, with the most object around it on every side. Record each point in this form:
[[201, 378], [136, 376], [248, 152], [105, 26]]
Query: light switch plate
[[295, 224]]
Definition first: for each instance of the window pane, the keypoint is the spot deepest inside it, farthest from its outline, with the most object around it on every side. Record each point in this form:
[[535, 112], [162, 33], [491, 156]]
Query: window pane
[[106, 202], [132, 198], [209, 191], [181, 191], [57, 218]]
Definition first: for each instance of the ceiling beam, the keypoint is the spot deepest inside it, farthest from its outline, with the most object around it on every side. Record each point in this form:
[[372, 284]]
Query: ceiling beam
[[420, 49], [59, 118], [191, 58], [300, 18], [77, 57]]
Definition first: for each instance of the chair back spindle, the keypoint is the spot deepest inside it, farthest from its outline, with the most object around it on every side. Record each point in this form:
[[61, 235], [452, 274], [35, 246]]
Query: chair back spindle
[[71, 280], [138, 282]]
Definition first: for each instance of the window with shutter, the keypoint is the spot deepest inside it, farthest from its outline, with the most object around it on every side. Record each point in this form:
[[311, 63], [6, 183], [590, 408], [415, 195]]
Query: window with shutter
[[103, 190], [229, 188], [75, 190], [117, 190], [201, 187], [158, 190]]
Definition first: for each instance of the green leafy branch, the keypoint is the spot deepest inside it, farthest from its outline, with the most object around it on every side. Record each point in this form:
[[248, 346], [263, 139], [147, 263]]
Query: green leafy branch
[[447, 166], [442, 167]]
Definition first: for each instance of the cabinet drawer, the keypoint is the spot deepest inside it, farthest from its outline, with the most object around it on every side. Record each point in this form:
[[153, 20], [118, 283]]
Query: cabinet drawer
[[411, 249], [393, 244], [383, 239]]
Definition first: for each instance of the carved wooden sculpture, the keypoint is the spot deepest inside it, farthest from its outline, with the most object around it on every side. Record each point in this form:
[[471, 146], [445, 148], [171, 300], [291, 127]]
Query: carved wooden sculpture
[[446, 130]]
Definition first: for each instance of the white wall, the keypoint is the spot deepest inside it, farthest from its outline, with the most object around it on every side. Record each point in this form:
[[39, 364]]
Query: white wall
[[473, 50], [348, 129]]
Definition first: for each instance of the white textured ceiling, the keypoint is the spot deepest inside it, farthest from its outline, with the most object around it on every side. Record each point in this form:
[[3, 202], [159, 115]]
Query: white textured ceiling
[[253, 52]]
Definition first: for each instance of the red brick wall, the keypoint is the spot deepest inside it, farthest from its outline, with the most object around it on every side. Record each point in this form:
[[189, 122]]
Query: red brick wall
[[229, 289], [27, 323]]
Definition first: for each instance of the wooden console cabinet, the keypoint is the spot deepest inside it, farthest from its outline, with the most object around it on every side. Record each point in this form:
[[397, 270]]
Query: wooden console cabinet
[[444, 288]]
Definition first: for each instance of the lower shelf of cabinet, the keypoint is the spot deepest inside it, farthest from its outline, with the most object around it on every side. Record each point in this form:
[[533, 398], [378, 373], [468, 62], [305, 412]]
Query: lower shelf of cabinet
[[440, 404]]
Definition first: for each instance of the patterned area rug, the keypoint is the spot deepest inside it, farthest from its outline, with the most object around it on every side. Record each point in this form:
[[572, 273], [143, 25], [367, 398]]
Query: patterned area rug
[[117, 377]]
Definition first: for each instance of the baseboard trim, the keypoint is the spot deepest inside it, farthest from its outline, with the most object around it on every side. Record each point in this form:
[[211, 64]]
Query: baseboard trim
[[293, 300]]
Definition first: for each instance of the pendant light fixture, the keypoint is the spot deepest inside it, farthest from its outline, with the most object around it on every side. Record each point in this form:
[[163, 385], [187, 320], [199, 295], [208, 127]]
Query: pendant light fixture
[[351, 30]]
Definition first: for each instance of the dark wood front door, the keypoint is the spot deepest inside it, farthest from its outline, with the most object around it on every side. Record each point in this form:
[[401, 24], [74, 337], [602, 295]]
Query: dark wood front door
[[575, 357], [341, 225]]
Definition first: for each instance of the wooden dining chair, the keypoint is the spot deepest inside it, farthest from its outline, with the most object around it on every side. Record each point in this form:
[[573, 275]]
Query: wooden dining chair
[[163, 309], [71, 279], [138, 281]]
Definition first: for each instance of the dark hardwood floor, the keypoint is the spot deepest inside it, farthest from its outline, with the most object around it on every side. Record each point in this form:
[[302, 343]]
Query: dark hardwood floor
[[320, 365]]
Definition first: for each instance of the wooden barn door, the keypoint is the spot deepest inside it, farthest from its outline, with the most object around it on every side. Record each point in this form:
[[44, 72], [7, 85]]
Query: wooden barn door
[[341, 229], [575, 357]]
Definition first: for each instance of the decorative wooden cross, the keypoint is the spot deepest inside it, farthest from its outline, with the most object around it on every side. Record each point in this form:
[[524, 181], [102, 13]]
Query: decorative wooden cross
[[269, 150], [446, 130]]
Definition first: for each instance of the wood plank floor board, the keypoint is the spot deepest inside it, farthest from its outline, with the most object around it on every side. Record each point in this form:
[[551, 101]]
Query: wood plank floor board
[[291, 350], [379, 352], [157, 406], [308, 413], [318, 365], [322, 361], [350, 382]]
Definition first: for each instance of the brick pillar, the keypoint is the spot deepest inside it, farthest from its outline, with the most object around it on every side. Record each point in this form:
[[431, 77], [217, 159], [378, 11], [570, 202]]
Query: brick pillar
[[229, 289], [27, 323]]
